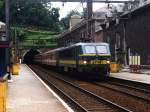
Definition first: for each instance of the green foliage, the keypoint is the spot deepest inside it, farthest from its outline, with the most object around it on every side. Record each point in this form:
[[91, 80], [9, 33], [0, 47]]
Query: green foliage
[[37, 13], [19, 33], [26, 12], [32, 38]]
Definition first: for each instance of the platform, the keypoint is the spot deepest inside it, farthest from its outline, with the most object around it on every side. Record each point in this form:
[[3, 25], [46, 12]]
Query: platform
[[137, 77], [28, 94]]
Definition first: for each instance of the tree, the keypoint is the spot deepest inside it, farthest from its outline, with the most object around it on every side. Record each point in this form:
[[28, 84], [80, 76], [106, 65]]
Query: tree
[[31, 13], [34, 13]]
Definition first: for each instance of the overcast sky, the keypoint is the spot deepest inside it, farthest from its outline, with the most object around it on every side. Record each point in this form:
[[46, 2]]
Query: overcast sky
[[64, 10]]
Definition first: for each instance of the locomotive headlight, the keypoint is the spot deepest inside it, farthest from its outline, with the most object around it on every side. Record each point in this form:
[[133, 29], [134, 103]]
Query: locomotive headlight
[[108, 62], [85, 62]]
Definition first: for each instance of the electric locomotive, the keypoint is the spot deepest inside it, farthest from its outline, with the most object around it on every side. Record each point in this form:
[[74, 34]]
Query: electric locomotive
[[81, 57]]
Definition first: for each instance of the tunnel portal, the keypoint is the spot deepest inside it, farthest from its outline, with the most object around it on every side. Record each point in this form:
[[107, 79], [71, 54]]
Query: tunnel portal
[[28, 57]]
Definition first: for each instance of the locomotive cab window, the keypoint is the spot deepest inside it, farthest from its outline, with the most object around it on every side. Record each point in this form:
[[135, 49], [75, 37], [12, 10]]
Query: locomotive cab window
[[79, 50], [89, 49], [101, 49]]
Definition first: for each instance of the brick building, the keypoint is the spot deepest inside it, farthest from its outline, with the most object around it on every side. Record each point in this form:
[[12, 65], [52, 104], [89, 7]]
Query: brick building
[[78, 33], [129, 34]]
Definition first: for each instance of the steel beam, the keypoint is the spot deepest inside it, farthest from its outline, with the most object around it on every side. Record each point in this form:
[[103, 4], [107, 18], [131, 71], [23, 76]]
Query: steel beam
[[95, 1]]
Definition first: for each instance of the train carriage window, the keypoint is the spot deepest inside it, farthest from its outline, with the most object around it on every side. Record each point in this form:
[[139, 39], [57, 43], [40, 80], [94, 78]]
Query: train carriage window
[[89, 49], [101, 49]]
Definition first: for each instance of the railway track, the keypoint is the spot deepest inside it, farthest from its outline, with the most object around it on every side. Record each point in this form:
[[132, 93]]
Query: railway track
[[130, 84], [133, 91], [84, 100], [123, 95], [134, 102]]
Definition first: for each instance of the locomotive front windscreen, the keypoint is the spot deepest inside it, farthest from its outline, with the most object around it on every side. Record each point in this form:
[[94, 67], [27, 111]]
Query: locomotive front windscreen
[[89, 49], [98, 49], [101, 49]]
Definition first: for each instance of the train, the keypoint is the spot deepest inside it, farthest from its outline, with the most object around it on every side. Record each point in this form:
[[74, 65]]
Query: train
[[92, 58]]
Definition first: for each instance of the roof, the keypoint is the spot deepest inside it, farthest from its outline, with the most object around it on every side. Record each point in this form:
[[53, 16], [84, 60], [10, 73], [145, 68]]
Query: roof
[[137, 10], [79, 25], [131, 13], [74, 45], [82, 43]]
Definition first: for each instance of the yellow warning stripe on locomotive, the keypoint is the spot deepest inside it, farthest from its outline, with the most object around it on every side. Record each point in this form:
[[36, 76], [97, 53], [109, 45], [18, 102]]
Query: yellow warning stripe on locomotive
[[67, 61], [99, 62], [82, 62]]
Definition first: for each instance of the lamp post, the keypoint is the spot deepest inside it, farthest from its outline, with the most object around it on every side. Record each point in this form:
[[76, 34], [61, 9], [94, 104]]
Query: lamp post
[[90, 25], [7, 14]]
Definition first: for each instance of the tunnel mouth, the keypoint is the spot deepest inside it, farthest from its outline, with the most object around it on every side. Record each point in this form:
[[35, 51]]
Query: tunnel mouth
[[29, 56]]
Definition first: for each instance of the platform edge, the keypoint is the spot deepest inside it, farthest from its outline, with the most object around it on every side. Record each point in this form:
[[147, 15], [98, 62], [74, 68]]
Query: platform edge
[[49, 89]]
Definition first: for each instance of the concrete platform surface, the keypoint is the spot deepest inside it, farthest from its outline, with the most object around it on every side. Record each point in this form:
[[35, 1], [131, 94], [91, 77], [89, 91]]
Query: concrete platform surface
[[27, 94], [144, 78]]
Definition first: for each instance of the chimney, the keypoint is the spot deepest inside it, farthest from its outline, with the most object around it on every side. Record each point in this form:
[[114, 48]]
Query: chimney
[[75, 19]]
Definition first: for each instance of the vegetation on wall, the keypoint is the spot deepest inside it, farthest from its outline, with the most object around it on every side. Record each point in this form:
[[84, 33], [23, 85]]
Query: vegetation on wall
[[35, 22], [34, 39]]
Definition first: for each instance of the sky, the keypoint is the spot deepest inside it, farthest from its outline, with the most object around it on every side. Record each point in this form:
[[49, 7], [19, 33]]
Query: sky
[[64, 10]]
